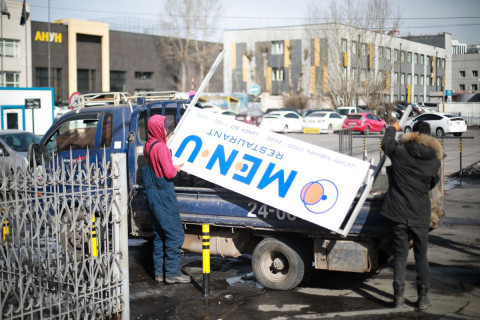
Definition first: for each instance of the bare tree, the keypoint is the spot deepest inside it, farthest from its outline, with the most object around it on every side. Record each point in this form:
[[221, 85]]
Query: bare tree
[[190, 23], [355, 31]]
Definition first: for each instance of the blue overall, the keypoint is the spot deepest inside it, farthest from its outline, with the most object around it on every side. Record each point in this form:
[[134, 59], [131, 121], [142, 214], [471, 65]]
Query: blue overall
[[167, 225]]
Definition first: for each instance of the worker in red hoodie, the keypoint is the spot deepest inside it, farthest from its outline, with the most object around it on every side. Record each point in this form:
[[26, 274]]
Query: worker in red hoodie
[[162, 202]]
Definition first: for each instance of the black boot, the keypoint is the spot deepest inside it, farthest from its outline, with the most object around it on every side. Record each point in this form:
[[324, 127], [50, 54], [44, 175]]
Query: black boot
[[423, 299], [398, 299]]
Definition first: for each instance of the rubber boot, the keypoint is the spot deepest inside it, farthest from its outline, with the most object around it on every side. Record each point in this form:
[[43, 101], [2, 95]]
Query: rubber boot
[[423, 299], [398, 299]]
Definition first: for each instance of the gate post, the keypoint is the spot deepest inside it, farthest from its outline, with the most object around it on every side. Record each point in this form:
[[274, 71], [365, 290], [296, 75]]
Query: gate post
[[120, 214]]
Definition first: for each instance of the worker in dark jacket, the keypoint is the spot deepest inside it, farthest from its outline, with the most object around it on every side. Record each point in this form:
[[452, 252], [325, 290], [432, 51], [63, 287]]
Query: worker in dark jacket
[[416, 160], [162, 202]]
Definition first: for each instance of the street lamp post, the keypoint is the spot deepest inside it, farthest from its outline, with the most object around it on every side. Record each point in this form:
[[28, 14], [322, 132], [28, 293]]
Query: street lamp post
[[436, 70]]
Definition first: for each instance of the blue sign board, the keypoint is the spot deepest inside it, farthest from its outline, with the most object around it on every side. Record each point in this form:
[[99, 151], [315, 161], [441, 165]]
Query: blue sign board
[[255, 89], [449, 93]]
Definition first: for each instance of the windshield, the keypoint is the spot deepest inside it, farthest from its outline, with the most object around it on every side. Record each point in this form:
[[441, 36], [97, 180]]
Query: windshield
[[354, 116], [343, 112], [317, 114], [20, 141]]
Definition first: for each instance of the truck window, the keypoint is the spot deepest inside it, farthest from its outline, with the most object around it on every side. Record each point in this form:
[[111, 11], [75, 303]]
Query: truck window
[[106, 131], [77, 134], [170, 113]]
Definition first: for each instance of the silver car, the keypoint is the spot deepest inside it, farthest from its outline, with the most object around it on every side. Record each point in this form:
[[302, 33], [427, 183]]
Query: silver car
[[14, 146]]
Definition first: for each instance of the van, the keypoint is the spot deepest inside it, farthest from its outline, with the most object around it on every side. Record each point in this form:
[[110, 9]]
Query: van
[[344, 111]]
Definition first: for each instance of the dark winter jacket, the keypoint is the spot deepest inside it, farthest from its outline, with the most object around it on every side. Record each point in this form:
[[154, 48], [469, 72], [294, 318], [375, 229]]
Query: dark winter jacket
[[416, 159]]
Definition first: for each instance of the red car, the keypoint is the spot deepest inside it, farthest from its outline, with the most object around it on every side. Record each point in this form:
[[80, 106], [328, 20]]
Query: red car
[[365, 122]]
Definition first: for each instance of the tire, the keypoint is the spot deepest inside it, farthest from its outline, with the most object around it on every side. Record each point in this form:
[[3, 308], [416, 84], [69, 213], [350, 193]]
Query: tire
[[278, 264], [457, 134], [367, 131], [407, 129], [285, 129], [439, 132], [383, 130], [330, 127]]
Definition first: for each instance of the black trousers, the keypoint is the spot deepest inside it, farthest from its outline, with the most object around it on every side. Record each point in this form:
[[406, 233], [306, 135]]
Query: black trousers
[[401, 233]]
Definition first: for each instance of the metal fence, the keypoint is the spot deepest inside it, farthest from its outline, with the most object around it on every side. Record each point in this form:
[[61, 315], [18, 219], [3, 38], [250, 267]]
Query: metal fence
[[62, 255]]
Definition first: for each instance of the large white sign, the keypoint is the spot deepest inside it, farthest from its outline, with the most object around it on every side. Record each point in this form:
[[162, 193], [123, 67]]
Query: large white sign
[[310, 182]]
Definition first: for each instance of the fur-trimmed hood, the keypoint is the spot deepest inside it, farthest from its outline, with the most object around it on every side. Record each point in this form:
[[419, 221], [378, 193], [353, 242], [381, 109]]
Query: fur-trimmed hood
[[419, 145]]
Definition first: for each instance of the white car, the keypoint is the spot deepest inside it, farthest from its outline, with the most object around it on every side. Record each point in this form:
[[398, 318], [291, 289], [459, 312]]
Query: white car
[[282, 121], [440, 123], [14, 146], [319, 121]]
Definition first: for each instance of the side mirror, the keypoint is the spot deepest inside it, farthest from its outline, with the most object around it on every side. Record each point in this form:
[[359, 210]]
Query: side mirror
[[33, 155]]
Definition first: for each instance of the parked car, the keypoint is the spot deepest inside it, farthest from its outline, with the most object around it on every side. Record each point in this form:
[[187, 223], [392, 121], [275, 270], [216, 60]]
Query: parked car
[[250, 119], [344, 111], [270, 110], [322, 120], [282, 121], [211, 108], [415, 110], [228, 113], [440, 124], [365, 122], [14, 146], [309, 111]]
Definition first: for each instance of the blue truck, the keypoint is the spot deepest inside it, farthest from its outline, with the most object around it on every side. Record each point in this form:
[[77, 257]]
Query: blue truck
[[283, 247]]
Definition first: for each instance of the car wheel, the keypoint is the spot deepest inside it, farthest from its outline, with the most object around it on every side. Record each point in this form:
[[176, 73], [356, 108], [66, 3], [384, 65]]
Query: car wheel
[[457, 134], [439, 132], [330, 127], [407, 129], [279, 264], [285, 129], [367, 131]]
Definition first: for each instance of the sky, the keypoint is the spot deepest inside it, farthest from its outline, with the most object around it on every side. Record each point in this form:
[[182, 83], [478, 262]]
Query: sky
[[460, 18]]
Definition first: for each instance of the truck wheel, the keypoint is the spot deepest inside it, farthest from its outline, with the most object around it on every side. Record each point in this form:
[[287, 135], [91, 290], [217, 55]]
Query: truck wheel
[[278, 264]]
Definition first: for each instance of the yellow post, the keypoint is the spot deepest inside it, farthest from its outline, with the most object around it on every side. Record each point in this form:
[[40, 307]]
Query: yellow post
[[206, 259], [6, 228], [94, 239]]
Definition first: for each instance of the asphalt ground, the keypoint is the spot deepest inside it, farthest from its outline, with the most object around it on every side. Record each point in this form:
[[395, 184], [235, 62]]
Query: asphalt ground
[[454, 254]]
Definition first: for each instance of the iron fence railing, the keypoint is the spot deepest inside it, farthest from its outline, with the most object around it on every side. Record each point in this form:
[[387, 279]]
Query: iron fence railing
[[61, 249]]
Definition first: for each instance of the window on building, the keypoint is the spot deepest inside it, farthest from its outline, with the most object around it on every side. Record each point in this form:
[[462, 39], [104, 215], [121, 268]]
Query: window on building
[[422, 59], [429, 81], [422, 80], [354, 73], [354, 47], [143, 75], [439, 81], [409, 57], [397, 55], [474, 87], [474, 73], [409, 78], [461, 74], [415, 58], [118, 81], [277, 47], [9, 79], [402, 78], [388, 53], [415, 79], [364, 49], [395, 77], [86, 80], [380, 52], [402, 56], [462, 87], [277, 74], [362, 75], [9, 48], [344, 45], [41, 80]]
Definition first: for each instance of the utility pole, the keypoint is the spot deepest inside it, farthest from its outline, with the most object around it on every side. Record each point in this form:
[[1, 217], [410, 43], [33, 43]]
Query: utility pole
[[400, 73]]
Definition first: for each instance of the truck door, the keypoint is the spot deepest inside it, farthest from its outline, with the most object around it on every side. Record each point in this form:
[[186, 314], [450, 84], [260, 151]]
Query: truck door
[[81, 134]]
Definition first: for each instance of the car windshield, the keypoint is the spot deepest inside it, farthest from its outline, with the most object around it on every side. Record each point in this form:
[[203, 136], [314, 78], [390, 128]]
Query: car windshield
[[20, 141], [354, 116], [317, 114], [453, 117], [343, 112]]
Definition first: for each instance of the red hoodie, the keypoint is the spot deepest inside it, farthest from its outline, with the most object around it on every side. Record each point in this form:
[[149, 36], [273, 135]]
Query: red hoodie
[[160, 157]]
